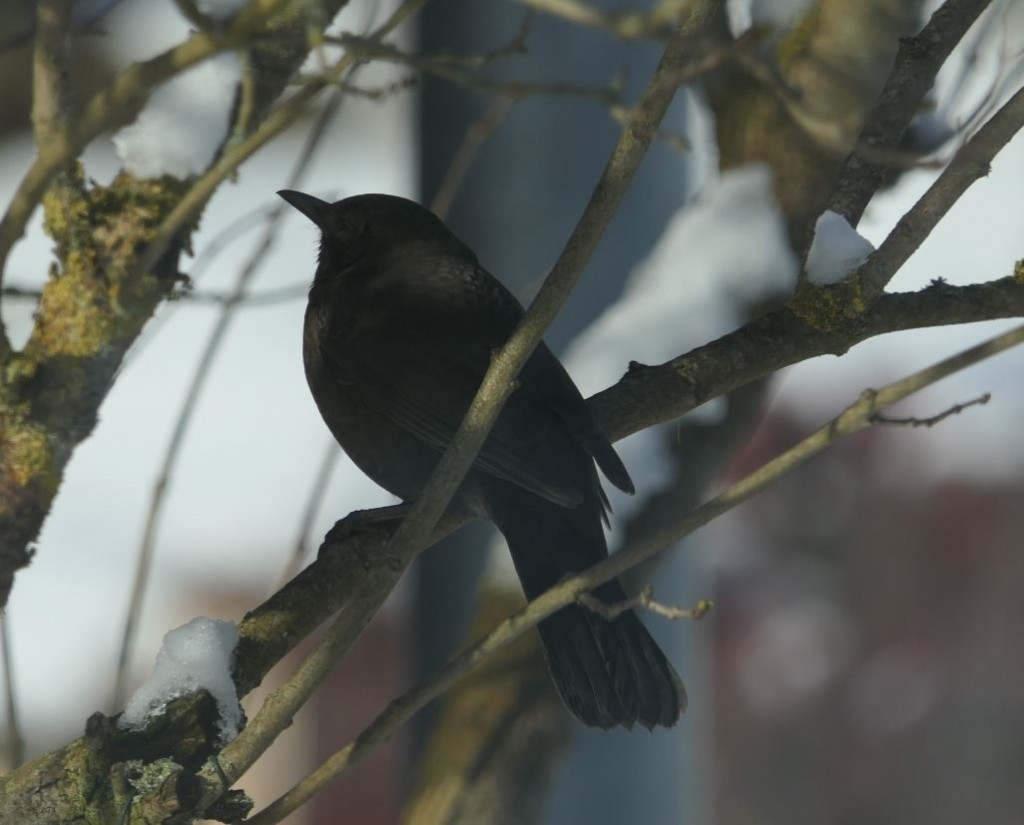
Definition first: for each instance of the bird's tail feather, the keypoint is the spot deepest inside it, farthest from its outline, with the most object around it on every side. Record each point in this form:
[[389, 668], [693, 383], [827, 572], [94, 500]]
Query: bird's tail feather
[[608, 672]]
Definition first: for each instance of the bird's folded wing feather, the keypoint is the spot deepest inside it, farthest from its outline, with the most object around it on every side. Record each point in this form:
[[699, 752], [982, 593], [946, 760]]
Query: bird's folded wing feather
[[422, 385]]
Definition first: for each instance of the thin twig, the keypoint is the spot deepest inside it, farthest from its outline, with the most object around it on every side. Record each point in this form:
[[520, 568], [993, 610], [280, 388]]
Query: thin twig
[[147, 544], [455, 71], [314, 502], [15, 743], [956, 409], [265, 297], [50, 101], [515, 46], [644, 600], [415, 529], [853, 419], [468, 150]]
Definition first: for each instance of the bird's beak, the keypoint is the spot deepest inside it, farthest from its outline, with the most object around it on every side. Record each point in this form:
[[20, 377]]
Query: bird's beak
[[313, 208]]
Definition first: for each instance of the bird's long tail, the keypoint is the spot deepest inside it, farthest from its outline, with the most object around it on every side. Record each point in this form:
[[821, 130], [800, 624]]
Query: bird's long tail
[[608, 673]]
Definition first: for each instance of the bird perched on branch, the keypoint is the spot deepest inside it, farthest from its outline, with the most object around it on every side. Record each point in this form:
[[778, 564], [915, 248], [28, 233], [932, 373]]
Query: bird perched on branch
[[399, 331]]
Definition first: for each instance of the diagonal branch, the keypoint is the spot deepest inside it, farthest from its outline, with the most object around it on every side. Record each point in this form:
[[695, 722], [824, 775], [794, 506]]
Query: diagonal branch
[[49, 70]]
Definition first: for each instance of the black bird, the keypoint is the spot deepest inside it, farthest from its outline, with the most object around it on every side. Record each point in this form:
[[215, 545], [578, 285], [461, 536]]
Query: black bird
[[400, 327]]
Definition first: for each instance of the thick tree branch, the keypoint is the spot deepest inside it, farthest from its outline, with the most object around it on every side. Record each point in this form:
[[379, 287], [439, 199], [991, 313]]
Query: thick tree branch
[[649, 395]]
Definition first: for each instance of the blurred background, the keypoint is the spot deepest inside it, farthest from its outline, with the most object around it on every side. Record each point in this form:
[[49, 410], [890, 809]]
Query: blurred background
[[863, 661]]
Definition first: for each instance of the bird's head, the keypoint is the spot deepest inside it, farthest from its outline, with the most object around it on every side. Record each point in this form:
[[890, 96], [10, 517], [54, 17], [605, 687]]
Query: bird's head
[[353, 227]]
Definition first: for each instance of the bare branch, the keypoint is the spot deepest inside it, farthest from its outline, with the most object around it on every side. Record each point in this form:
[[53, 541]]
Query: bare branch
[[461, 71], [474, 139], [649, 395], [644, 600], [50, 101], [956, 409], [49, 70]]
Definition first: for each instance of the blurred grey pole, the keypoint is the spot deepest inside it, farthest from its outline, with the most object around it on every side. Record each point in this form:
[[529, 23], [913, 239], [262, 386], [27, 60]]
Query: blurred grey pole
[[516, 208]]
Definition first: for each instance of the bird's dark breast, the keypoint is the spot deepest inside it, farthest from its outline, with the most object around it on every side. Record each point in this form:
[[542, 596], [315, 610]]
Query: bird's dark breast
[[396, 460]]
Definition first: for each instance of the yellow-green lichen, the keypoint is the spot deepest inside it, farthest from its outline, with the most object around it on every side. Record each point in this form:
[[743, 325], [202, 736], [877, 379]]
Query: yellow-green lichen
[[74, 314], [829, 307], [65, 209], [25, 448]]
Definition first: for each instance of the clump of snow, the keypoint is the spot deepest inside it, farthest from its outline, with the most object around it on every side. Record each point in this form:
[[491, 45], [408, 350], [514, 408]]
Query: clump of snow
[[184, 122], [194, 656], [836, 250], [219, 9]]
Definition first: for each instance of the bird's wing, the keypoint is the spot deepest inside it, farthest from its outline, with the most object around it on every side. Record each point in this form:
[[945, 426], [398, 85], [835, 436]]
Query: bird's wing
[[545, 375], [424, 378]]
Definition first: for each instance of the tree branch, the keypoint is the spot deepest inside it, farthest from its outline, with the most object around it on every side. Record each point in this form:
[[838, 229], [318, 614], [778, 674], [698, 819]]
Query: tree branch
[[49, 70], [649, 395]]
